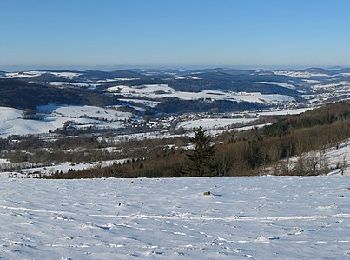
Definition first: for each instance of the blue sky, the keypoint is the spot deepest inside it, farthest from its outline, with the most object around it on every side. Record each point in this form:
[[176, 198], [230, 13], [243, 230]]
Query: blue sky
[[174, 32]]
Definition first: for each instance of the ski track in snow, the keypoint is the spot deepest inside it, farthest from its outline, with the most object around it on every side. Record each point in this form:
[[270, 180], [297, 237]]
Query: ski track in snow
[[258, 218]]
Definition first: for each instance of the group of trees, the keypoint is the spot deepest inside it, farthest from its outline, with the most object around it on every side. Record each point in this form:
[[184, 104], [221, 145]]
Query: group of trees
[[80, 149], [175, 105]]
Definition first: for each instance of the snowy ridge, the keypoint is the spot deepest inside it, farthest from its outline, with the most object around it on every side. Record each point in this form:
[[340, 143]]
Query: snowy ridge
[[33, 74], [299, 74], [336, 158]]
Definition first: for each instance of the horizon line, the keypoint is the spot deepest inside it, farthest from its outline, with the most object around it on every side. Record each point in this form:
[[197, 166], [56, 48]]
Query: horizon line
[[9, 68]]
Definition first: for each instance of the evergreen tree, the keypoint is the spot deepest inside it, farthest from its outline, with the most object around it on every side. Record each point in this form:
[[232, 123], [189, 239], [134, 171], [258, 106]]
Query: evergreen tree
[[202, 161]]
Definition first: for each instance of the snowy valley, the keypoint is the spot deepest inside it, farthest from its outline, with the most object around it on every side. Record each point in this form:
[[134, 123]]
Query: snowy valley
[[108, 109]]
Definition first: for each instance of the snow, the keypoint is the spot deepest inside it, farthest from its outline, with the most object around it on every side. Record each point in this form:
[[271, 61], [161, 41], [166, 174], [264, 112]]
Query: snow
[[13, 123], [8, 113], [281, 84], [157, 91], [298, 74], [187, 77], [4, 161], [33, 74], [76, 84], [28, 127], [148, 103], [343, 84], [24, 74], [142, 89], [213, 123], [333, 157], [263, 98], [91, 111], [250, 127], [311, 81], [67, 75], [118, 88], [258, 218], [334, 160], [296, 111], [64, 167], [126, 79]]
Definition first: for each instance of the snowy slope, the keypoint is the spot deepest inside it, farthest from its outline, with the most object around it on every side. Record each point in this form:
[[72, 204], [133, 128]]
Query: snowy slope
[[258, 218], [213, 123], [337, 158], [158, 91], [283, 85], [91, 111], [13, 123], [24, 74], [68, 75], [299, 74], [8, 113]]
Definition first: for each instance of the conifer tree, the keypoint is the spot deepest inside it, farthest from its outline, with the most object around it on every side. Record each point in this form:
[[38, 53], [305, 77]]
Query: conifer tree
[[201, 159]]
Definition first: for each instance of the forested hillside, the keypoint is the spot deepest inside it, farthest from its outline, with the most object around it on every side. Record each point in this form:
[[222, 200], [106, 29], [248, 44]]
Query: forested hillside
[[23, 95]]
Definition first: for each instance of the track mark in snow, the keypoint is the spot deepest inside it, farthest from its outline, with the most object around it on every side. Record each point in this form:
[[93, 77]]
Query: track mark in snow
[[32, 210], [227, 219]]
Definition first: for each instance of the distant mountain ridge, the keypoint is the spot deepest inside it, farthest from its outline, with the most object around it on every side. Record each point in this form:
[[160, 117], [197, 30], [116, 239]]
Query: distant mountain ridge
[[219, 89]]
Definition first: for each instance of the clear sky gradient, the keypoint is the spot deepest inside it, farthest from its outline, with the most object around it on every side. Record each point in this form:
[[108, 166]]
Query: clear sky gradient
[[174, 32]]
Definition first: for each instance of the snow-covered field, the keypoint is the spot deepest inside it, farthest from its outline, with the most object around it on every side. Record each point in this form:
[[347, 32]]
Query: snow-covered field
[[283, 112], [158, 91], [213, 123], [109, 114], [13, 123], [258, 218], [246, 117]]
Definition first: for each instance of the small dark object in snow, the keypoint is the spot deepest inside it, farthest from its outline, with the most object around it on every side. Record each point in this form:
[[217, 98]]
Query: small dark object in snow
[[274, 238], [120, 204], [207, 193]]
